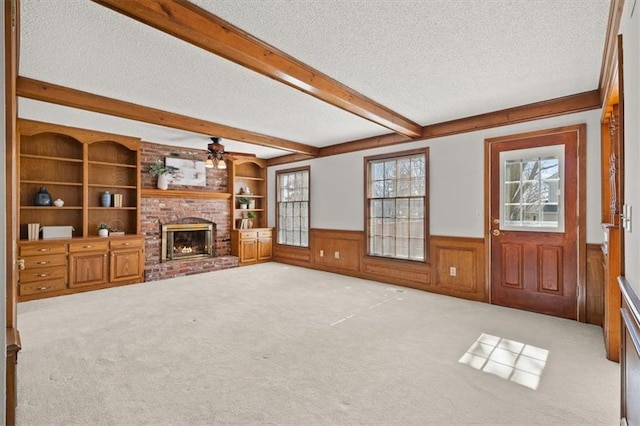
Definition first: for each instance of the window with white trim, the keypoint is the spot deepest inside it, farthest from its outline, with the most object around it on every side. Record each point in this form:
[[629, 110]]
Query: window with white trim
[[397, 205], [292, 207]]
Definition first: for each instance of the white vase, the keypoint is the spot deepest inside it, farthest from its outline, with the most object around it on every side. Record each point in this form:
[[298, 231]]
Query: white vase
[[103, 232], [163, 182]]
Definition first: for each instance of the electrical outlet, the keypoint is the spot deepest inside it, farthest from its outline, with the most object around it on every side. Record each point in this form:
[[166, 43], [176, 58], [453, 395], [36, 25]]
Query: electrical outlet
[[452, 271], [321, 253], [336, 255]]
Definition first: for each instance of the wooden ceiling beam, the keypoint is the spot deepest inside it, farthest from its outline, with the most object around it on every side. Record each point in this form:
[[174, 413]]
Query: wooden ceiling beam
[[196, 26], [551, 108], [48, 92]]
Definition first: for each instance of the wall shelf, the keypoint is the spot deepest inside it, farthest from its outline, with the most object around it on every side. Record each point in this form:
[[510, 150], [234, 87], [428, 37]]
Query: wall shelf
[[176, 193]]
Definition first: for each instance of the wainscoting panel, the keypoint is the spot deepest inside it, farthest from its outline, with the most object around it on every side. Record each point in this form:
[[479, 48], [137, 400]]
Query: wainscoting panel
[[595, 285], [458, 267], [630, 354], [404, 273], [344, 252], [337, 250], [299, 256]]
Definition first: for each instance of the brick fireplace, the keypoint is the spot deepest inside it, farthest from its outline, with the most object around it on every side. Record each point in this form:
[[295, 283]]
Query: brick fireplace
[[167, 207]]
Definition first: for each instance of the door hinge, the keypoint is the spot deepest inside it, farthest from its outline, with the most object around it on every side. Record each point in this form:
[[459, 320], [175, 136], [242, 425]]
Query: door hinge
[[20, 264]]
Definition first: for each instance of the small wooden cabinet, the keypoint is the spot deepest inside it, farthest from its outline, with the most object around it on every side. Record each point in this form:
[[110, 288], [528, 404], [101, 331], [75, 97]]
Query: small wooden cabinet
[[252, 245]]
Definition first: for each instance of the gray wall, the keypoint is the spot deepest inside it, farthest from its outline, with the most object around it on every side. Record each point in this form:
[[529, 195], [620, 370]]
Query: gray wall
[[456, 180]]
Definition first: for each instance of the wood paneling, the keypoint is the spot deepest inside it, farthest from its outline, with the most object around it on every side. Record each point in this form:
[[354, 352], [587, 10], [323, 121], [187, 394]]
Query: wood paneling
[[300, 256], [630, 354], [399, 272], [337, 250], [594, 287], [207, 31], [612, 303], [466, 255], [609, 57]]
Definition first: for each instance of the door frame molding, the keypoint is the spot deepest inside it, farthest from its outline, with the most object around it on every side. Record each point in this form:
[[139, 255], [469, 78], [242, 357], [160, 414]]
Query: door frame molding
[[581, 204]]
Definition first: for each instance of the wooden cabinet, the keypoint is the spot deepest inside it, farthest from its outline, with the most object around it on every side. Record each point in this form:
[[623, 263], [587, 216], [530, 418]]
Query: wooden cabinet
[[45, 269], [88, 263], [78, 166], [252, 245], [66, 266], [248, 180], [126, 261]]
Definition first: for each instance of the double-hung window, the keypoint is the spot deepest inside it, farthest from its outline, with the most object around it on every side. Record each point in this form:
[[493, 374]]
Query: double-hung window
[[397, 205], [292, 209]]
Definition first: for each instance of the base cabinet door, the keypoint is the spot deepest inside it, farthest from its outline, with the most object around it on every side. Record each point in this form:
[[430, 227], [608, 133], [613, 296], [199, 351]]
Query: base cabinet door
[[126, 265], [248, 251], [87, 269], [264, 248]]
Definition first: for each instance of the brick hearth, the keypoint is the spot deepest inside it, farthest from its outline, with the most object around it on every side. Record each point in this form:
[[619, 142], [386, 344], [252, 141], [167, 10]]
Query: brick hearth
[[155, 211]]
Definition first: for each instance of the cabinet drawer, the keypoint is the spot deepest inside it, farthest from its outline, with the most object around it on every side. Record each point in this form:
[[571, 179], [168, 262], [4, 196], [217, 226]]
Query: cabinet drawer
[[88, 246], [43, 274], [42, 286], [264, 234], [247, 235], [45, 261], [38, 249], [125, 243]]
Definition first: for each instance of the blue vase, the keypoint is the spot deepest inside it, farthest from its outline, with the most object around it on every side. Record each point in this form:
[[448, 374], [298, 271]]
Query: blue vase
[[42, 198], [106, 199]]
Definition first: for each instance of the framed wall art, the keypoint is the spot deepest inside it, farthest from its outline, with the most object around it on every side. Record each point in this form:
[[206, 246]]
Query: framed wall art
[[187, 172]]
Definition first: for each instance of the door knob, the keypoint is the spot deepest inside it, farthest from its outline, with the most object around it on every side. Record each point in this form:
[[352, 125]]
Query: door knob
[[496, 232]]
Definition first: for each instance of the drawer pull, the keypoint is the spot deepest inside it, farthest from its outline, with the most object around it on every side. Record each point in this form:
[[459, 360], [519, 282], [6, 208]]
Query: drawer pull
[[42, 288], [42, 275], [89, 246], [44, 262], [126, 244], [44, 249]]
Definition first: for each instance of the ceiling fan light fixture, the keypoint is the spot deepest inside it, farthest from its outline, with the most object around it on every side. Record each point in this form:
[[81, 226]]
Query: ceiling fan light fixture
[[216, 155]]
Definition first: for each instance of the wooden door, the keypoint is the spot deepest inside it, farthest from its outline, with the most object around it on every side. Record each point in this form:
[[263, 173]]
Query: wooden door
[[534, 221]]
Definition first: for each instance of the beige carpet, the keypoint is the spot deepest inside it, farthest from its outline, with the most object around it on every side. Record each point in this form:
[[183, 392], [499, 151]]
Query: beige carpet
[[275, 344]]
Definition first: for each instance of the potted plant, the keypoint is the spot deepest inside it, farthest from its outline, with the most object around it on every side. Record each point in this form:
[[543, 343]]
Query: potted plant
[[160, 170], [244, 202], [250, 217], [103, 229]]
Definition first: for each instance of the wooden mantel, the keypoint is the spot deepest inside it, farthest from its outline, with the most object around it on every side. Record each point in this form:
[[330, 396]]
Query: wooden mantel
[[177, 193]]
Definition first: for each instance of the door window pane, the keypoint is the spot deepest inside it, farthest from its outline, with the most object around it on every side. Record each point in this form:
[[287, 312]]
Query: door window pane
[[531, 196]]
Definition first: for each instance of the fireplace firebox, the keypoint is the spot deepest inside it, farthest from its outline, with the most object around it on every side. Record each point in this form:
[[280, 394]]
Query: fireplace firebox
[[190, 238]]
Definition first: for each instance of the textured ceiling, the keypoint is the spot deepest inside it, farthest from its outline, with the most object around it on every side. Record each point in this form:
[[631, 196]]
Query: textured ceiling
[[430, 61]]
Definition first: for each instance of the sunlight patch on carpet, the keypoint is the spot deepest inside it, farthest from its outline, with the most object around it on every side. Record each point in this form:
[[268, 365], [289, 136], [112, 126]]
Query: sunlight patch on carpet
[[511, 360]]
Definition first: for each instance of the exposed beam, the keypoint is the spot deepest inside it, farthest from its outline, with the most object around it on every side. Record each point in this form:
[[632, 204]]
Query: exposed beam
[[566, 105], [194, 25], [560, 106], [48, 92]]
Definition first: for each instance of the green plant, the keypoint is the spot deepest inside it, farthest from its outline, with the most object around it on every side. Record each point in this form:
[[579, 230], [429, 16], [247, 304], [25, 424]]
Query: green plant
[[243, 201], [251, 215], [102, 225], [158, 168]]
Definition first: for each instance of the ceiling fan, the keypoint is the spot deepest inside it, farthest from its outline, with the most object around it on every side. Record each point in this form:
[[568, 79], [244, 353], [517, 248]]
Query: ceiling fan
[[216, 155]]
